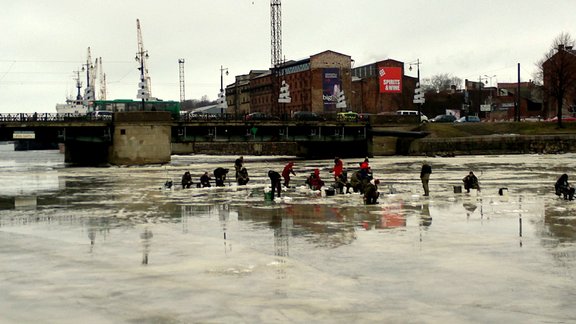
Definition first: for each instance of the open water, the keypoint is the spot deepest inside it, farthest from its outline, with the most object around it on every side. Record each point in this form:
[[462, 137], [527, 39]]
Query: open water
[[111, 245]]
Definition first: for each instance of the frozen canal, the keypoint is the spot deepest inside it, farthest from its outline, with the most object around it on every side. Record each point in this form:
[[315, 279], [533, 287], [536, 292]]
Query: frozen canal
[[109, 245]]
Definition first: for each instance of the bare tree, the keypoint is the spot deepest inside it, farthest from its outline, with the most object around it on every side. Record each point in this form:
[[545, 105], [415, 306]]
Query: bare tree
[[440, 82], [557, 71]]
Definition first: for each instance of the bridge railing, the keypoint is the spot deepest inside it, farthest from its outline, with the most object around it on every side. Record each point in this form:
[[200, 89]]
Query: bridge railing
[[49, 117]]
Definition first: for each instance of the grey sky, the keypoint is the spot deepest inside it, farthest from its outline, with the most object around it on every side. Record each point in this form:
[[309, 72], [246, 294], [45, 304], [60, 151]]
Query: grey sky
[[42, 42]]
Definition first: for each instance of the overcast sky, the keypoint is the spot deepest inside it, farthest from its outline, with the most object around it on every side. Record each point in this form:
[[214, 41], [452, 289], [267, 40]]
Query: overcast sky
[[42, 42]]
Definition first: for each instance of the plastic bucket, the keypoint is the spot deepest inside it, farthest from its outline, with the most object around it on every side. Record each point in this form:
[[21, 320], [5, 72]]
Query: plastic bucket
[[268, 195]]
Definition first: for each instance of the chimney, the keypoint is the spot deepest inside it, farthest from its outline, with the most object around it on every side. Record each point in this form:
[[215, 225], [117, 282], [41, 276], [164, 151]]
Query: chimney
[[560, 47]]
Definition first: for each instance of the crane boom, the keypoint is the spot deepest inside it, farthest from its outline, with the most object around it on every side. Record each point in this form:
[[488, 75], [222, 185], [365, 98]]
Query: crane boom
[[276, 31]]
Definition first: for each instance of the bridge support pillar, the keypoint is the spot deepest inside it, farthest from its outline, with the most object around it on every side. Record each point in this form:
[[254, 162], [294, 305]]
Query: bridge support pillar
[[141, 138]]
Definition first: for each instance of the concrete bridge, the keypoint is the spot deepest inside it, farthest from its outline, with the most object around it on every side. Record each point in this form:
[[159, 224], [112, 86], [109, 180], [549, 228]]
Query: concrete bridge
[[132, 138]]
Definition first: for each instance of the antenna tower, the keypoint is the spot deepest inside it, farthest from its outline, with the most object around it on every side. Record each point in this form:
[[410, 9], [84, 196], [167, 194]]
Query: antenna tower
[[276, 31], [182, 87]]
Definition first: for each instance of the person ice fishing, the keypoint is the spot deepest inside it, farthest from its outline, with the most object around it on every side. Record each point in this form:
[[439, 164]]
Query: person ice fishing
[[288, 169], [314, 181], [356, 182], [342, 181], [275, 182], [238, 164], [186, 180], [220, 176], [365, 172], [371, 193], [471, 182], [338, 168], [205, 180], [563, 187], [242, 178], [425, 177]]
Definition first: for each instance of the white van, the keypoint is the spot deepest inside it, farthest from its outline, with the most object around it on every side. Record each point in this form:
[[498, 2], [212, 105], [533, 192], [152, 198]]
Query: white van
[[423, 118]]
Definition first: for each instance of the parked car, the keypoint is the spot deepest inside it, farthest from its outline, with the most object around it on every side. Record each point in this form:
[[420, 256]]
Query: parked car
[[307, 116], [468, 119], [260, 116], [100, 114], [568, 119], [443, 119], [347, 116], [423, 118]]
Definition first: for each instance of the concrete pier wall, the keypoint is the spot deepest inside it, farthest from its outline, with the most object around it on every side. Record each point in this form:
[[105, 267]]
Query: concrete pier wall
[[493, 144]]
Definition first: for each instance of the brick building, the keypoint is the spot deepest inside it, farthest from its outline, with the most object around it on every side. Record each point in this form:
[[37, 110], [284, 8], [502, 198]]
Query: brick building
[[382, 87], [314, 83]]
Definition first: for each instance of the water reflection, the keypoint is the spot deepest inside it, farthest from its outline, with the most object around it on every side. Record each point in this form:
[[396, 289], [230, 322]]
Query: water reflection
[[146, 239]]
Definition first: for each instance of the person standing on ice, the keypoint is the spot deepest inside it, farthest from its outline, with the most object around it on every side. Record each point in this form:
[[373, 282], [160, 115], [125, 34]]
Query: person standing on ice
[[288, 169], [338, 168], [425, 177], [275, 182]]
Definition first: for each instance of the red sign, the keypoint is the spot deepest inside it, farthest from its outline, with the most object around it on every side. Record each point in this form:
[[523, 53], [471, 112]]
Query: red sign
[[390, 79]]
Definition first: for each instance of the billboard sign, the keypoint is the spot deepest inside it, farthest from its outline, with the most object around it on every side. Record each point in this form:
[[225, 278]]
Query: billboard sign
[[331, 85], [390, 79]]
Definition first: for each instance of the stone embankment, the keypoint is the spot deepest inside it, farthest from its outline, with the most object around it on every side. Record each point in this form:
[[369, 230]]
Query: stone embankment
[[492, 138]]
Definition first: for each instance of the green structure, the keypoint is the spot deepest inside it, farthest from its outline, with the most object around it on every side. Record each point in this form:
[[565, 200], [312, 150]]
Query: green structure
[[126, 105]]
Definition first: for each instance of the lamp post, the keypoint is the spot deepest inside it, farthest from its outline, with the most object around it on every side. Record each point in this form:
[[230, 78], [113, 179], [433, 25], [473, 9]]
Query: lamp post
[[480, 79], [222, 70], [417, 63], [490, 78], [222, 96]]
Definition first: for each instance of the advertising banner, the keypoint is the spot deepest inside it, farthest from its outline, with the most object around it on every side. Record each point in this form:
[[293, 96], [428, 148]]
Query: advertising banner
[[331, 86], [390, 79]]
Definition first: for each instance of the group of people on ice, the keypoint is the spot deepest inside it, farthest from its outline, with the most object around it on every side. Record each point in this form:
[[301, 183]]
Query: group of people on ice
[[361, 180]]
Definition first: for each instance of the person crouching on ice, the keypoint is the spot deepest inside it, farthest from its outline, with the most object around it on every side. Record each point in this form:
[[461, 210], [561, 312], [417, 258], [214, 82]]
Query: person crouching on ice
[[563, 188], [220, 176], [471, 182], [314, 180], [371, 193], [186, 180]]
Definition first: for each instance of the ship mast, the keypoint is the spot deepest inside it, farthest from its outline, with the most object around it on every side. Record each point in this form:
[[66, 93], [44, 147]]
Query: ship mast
[[144, 86]]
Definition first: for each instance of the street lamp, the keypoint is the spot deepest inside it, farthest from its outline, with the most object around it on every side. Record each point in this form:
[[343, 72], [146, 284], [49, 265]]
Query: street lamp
[[222, 97], [490, 78], [222, 69], [480, 85]]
